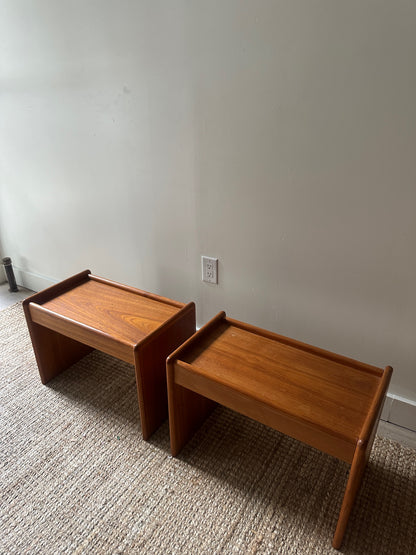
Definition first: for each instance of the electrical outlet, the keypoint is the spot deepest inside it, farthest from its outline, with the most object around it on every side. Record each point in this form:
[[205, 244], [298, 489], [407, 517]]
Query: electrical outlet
[[209, 269]]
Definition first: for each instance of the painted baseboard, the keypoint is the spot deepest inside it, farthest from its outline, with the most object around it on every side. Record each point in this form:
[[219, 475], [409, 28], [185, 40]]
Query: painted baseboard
[[400, 411], [30, 280]]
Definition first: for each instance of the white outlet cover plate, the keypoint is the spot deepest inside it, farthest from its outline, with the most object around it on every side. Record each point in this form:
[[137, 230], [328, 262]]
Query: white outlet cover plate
[[209, 269]]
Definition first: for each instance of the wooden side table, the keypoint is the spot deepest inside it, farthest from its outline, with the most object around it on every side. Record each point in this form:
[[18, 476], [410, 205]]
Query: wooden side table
[[85, 312], [325, 400]]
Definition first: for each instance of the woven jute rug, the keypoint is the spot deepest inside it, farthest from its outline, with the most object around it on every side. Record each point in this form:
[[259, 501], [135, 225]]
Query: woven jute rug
[[76, 476]]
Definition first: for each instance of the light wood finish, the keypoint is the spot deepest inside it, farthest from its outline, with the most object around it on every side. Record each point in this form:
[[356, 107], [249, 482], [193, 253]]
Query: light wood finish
[[328, 401], [87, 312]]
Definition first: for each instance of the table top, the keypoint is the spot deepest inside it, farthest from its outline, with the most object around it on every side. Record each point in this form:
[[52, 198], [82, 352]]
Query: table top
[[122, 313], [324, 390]]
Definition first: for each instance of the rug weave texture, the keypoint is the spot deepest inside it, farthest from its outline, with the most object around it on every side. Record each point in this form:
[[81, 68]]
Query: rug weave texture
[[76, 476]]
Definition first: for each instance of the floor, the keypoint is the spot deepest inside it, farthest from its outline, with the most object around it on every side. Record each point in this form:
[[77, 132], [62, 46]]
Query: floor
[[385, 429], [8, 299]]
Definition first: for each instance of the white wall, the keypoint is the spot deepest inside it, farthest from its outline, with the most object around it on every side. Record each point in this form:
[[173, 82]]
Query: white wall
[[277, 135]]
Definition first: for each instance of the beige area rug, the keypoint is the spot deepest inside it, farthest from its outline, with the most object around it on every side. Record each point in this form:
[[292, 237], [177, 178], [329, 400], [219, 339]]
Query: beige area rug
[[76, 476]]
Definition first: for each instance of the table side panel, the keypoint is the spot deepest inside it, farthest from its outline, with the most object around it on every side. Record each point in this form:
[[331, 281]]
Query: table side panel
[[150, 361], [187, 411], [54, 352]]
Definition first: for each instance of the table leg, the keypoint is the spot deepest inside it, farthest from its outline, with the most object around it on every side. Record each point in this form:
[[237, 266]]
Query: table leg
[[354, 481], [150, 365], [54, 352], [187, 411]]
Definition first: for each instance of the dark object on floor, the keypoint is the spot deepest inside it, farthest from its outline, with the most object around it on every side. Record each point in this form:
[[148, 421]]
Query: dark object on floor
[[7, 262]]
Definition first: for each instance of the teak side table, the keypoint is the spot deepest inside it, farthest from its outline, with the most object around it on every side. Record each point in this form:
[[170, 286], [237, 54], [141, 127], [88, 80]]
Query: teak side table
[[325, 400], [85, 312]]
